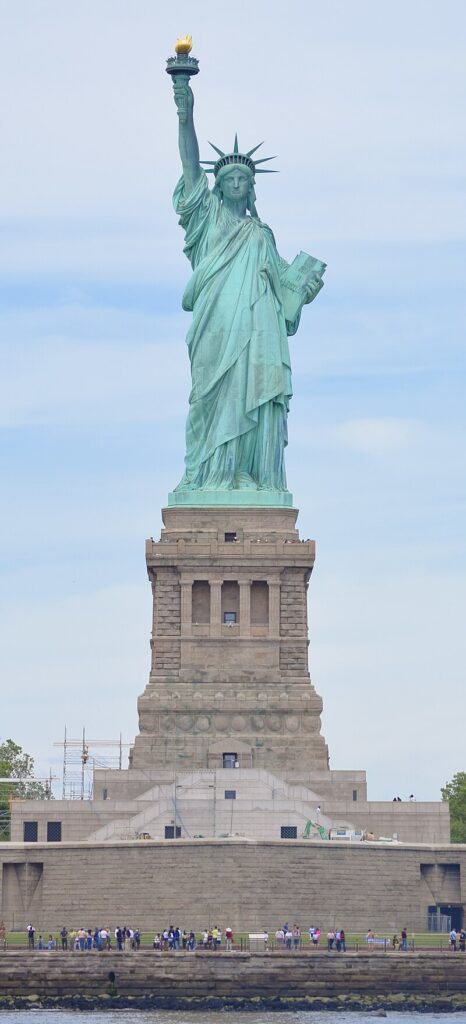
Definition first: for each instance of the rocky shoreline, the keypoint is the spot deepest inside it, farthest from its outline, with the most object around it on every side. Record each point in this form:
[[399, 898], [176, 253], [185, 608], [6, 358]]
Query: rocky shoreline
[[378, 1005]]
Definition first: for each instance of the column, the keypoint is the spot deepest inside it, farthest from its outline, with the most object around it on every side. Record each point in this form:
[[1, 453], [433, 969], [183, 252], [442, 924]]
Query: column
[[274, 606], [244, 607], [186, 605], [215, 607]]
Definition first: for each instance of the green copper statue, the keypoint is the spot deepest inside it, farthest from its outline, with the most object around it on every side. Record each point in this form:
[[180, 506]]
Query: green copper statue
[[245, 300]]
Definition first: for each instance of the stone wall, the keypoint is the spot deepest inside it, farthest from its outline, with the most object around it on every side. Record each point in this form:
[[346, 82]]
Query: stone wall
[[181, 977], [249, 885]]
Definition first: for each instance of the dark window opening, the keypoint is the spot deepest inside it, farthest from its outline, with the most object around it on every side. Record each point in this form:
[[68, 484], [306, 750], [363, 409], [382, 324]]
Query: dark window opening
[[230, 760], [230, 538], [54, 831], [30, 831], [201, 601], [170, 832], [229, 617], [259, 603], [230, 794], [289, 832], [355, 794]]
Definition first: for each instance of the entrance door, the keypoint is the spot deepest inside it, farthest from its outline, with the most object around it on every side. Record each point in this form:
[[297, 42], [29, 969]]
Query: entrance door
[[229, 760], [455, 913]]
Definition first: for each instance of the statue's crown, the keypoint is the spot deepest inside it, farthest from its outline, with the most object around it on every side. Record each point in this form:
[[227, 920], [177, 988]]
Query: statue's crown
[[235, 157]]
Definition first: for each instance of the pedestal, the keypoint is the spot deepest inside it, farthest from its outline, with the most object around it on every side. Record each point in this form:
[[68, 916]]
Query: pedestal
[[229, 676]]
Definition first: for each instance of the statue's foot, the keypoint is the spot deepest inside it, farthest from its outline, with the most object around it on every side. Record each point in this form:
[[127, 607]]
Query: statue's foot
[[245, 482]]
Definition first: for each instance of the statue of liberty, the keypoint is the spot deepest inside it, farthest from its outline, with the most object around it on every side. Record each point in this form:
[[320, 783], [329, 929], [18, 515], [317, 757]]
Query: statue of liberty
[[245, 300]]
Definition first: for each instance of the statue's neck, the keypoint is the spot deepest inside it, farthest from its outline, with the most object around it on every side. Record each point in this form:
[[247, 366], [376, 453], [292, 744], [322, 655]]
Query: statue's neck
[[236, 207]]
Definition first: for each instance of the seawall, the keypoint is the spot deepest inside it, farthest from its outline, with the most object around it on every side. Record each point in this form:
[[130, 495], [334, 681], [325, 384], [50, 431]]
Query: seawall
[[434, 981]]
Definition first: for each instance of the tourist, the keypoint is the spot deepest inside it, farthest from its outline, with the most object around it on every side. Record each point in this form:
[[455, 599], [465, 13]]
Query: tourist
[[31, 931], [191, 941], [64, 938], [89, 938], [462, 941], [266, 938], [338, 940], [102, 939], [184, 939], [296, 936], [51, 943], [137, 938], [40, 944], [219, 938], [279, 937], [288, 938], [330, 939], [316, 937], [453, 939], [82, 939], [342, 940], [119, 938], [2, 935], [395, 943], [404, 939], [228, 939]]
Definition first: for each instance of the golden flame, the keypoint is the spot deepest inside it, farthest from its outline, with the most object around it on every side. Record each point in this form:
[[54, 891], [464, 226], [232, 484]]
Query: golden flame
[[184, 45]]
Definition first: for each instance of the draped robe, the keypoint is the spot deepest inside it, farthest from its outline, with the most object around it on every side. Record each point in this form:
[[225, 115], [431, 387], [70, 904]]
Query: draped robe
[[236, 430]]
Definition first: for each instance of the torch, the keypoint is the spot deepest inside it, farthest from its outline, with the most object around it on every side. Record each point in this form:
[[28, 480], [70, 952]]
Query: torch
[[183, 66]]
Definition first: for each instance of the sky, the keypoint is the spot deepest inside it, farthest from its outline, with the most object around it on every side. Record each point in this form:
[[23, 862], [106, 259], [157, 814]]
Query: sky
[[364, 104]]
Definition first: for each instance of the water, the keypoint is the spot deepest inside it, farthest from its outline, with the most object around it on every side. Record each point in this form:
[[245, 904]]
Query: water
[[232, 1017]]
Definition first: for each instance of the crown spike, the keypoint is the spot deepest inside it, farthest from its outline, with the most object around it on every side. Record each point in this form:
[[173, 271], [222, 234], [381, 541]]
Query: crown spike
[[251, 151], [265, 170], [264, 160], [217, 150], [235, 147]]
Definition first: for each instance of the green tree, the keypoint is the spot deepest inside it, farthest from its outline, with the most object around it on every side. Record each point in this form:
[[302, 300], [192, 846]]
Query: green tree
[[455, 793], [16, 764]]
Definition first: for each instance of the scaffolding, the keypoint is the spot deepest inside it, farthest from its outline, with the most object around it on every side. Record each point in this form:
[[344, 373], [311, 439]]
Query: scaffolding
[[81, 757]]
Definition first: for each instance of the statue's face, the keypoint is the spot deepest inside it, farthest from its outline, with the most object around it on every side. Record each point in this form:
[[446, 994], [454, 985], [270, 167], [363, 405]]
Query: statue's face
[[236, 184]]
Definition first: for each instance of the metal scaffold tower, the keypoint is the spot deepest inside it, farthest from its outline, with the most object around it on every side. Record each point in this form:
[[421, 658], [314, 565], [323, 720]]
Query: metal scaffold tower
[[81, 756]]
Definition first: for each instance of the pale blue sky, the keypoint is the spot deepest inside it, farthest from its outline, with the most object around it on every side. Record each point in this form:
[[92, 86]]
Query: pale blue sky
[[364, 104]]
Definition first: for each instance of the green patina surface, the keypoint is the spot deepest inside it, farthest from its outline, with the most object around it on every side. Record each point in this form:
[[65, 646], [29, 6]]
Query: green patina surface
[[245, 302]]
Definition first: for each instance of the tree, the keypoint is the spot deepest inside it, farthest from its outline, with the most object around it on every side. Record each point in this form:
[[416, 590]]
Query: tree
[[455, 793], [16, 764]]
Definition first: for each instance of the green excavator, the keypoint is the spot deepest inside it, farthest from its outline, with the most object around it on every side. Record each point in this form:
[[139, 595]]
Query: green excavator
[[319, 828]]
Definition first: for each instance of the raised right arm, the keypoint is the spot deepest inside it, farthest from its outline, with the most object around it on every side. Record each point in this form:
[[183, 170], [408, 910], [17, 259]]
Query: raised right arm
[[187, 140]]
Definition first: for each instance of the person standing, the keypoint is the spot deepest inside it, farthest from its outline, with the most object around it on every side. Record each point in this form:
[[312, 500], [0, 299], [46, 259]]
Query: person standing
[[228, 939], [453, 940], [31, 931], [404, 939]]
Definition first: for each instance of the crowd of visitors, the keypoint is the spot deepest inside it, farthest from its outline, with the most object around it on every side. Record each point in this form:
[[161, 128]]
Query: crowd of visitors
[[173, 938]]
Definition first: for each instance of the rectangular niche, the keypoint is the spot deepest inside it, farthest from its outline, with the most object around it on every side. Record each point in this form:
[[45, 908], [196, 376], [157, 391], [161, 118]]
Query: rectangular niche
[[230, 601], [201, 602], [259, 603]]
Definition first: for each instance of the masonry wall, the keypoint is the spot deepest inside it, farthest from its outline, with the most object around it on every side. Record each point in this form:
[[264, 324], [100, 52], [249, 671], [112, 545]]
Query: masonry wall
[[185, 977], [249, 885]]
